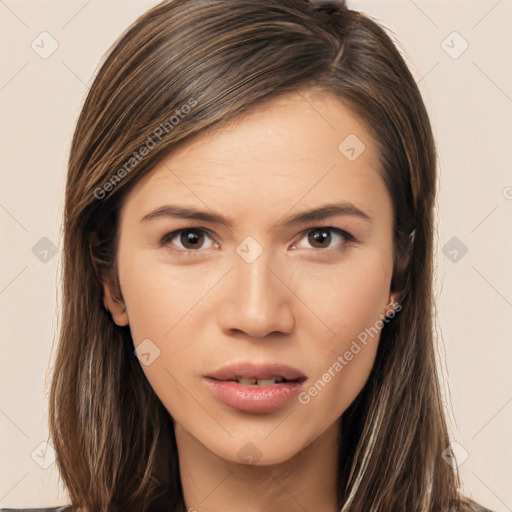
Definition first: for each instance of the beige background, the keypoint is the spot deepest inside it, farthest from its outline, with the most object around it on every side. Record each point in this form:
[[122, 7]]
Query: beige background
[[469, 97]]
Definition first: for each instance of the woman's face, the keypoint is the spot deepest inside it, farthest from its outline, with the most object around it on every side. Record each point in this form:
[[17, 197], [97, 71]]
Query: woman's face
[[264, 289]]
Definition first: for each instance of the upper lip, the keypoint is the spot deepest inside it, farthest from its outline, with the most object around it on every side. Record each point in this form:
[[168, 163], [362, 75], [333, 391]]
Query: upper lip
[[247, 370]]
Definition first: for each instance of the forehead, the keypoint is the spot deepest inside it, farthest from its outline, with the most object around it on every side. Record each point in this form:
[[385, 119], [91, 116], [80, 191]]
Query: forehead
[[298, 147], [296, 127]]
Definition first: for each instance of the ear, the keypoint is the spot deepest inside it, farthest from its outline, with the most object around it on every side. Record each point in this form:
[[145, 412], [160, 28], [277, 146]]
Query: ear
[[391, 306], [113, 302], [106, 274], [400, 281]]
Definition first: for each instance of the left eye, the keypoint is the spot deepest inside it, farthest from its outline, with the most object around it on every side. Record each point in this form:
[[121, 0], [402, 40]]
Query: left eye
[[192, 239], [320, 237]]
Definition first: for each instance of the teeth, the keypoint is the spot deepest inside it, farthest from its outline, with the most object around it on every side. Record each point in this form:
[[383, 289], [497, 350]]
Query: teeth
[[267, 382], [247, 382], [260, 382]]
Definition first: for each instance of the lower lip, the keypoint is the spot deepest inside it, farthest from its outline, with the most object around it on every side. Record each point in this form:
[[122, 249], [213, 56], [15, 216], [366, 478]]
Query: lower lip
[[253, 398]]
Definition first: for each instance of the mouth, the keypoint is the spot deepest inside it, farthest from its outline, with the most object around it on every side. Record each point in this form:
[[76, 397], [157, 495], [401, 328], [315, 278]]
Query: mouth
[[255, 388], [263, 382], [250, 374]]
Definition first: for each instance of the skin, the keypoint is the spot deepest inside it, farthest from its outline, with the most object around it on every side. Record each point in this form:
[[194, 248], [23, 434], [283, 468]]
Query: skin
[[299, 303]]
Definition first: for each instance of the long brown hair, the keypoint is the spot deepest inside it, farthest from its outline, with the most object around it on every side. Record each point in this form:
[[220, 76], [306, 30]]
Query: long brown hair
[[183, 67]]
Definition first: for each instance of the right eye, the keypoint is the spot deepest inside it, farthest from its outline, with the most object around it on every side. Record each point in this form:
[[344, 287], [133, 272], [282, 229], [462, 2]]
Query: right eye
[[191, 240]]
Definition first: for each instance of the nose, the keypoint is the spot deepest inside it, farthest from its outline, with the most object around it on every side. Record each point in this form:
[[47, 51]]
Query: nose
[[257, 300]]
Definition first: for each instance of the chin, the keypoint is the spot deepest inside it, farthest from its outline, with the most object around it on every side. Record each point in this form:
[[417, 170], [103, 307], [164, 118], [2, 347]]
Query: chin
[[258, 450]]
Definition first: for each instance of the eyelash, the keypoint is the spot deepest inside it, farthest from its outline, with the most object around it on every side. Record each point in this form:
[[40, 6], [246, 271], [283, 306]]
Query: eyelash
[[187, 252]]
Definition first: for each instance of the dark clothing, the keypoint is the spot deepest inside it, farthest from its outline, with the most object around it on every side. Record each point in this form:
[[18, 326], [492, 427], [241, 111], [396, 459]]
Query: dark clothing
[[68, 508], [55, 509]]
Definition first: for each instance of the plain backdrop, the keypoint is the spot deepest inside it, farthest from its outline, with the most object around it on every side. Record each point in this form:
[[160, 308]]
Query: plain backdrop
[[460, 54]]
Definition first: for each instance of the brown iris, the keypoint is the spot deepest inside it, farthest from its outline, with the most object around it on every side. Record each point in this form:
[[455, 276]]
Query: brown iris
[[319, 235], [195, 237]]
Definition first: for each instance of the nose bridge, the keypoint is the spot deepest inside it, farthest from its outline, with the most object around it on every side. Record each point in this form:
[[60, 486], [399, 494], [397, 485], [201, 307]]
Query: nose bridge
[[258, 302], [256, 283]]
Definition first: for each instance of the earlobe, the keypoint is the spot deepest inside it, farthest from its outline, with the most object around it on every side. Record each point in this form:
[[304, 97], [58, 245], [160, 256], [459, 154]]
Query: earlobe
[[392, 306], [116, 307]]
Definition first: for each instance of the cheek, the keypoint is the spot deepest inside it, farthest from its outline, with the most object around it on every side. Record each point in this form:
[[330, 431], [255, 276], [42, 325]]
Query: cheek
[[165, 305], [158, 313], [350, 298], [351, 302], [160, 297]]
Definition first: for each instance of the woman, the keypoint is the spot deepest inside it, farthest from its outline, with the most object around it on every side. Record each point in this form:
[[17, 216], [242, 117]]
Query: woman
[[247, 280]]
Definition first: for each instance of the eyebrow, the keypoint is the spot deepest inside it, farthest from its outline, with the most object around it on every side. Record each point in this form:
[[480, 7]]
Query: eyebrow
[[316, 214]]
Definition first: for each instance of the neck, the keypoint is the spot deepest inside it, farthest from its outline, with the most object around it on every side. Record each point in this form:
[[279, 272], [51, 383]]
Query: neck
[[307, 481]]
